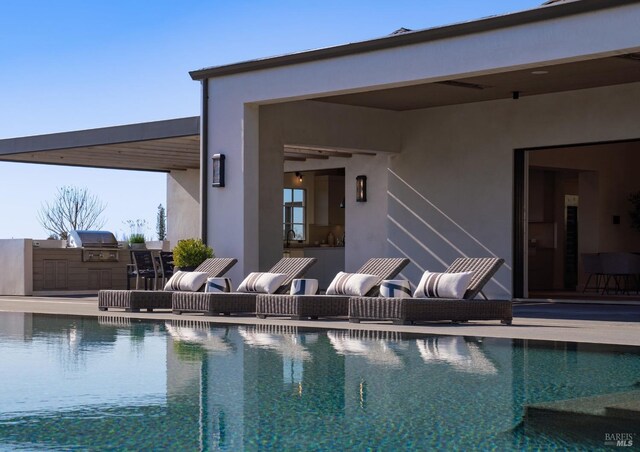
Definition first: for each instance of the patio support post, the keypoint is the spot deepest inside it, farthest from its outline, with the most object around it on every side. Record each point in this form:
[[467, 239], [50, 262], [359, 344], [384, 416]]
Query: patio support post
[[204, 153]]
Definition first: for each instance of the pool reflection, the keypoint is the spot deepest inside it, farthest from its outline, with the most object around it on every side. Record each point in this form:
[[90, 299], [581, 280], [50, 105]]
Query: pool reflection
[[108, 382]]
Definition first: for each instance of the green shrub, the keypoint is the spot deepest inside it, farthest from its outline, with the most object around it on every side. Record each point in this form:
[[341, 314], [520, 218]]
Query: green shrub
[[136, 238], [190, 253]]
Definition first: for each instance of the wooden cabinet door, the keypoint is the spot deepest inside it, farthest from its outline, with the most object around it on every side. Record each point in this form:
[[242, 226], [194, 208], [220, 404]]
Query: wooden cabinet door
[[55, 274]]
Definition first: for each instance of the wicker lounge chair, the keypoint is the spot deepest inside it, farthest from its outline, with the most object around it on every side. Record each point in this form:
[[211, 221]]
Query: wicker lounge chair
[[134, 300], [409, 310], [236, 302], [313, 306]]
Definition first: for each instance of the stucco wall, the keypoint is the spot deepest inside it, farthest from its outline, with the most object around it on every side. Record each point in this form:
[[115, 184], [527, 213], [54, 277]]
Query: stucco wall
[[451, 188], [183, 205], [16, 277]]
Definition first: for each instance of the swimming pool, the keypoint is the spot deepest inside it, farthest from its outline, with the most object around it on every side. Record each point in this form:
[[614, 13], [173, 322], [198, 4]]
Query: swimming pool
[[110, 383]]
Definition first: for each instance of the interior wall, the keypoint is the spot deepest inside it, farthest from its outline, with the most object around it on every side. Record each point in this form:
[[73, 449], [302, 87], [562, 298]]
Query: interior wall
[[183, 205], [615, 166]]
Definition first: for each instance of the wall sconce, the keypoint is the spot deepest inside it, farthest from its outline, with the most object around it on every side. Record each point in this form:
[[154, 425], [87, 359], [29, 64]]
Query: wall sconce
[[361, 188], [217, 174], [299, 176]]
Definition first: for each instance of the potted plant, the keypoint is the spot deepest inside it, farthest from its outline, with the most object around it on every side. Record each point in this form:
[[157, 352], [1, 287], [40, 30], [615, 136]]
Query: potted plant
[[189, 253], [136, 241]]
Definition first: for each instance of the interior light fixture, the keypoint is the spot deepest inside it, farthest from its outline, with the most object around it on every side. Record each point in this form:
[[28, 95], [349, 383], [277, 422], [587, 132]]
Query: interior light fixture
[[540, 72], [361, 188]]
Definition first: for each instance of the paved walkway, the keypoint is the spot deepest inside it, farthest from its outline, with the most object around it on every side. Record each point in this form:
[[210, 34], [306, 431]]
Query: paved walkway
[[603, 324]]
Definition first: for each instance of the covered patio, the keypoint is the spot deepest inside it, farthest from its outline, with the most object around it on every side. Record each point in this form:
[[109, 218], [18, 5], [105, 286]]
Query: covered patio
[[170, 146]]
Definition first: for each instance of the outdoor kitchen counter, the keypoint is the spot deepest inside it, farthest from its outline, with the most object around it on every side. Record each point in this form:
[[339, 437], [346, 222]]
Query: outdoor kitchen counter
[[65, 269]]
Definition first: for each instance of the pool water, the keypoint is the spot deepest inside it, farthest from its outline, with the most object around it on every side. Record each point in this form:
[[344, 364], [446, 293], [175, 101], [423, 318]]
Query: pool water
[[72, 383]]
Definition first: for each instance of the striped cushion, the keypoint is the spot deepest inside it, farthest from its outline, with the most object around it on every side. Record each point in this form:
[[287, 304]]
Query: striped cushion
[[395, 288], [262, 282], [187, 281], [218, 285], [352, 284], [443, 285], [304, 287]]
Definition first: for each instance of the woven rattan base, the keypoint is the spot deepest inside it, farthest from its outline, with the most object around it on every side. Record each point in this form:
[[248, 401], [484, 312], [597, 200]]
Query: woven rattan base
[[302, 306], [213, 303], [134, 300], [409, 310]]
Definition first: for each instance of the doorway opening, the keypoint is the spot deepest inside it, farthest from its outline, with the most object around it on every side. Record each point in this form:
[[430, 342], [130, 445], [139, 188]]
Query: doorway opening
[[572, 205]]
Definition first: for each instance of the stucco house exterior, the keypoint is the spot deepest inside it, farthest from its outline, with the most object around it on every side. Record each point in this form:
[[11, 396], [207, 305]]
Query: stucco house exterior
[[476, 139], [446, 124]]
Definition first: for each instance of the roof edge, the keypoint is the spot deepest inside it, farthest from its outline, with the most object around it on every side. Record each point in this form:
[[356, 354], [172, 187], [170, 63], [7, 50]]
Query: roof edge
[[554, 10], [154, 130]]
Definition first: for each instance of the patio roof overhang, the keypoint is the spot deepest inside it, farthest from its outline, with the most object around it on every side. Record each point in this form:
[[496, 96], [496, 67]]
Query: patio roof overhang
[[164, 146]]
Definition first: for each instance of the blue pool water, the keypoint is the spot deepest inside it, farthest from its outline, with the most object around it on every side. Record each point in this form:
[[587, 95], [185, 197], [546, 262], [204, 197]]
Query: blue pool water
[[71, 383]]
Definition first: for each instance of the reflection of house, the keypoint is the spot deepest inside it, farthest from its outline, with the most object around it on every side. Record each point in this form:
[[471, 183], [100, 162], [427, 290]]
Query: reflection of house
[[444, 122]]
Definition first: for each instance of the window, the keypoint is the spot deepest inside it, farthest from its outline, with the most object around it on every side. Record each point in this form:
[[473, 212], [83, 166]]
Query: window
[[294, 213]]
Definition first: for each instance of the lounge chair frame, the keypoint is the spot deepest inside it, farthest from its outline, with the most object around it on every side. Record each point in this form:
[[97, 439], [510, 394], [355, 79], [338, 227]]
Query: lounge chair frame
[[217, 303], [135, 300], [313, 306], [410, 310]]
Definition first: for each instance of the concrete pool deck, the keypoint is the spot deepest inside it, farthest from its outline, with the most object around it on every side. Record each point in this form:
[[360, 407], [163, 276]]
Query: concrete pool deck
[[590, 323]]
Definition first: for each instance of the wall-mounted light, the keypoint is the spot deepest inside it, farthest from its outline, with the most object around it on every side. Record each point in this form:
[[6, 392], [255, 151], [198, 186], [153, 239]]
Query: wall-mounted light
[[515, 95], [299, 176], [361, 188], [217, 173]]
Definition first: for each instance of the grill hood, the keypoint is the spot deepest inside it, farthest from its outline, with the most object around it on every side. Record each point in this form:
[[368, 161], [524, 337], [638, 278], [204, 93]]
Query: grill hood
[[91, 239]]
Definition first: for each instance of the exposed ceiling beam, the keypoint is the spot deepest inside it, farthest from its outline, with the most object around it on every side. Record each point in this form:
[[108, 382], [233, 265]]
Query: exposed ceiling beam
[[328, 149], [306, 155]]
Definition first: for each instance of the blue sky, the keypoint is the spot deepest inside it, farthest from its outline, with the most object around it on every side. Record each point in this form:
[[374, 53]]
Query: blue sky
[[77, 64]]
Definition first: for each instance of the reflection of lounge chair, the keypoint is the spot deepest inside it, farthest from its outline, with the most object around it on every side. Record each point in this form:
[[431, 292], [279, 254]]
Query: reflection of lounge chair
[[236, 302], [378, 347], [200, 333], [286, 342], [409, 310], [314, 306], [134, 300], [457, 352]]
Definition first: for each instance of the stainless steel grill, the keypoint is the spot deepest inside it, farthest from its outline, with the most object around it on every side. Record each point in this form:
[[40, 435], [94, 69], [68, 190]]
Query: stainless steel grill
[[97, 246]]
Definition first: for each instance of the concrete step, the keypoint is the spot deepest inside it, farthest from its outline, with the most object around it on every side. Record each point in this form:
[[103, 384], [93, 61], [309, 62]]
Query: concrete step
[[620, 404], [592, 419]]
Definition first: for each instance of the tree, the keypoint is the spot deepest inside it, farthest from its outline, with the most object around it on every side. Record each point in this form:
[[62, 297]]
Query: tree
[[161, 224], [72, 208]]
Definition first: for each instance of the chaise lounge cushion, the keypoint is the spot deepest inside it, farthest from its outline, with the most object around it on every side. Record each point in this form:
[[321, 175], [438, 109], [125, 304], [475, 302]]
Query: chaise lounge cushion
[[443, 285], [352, 284], [257, 282], [187, 281]]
